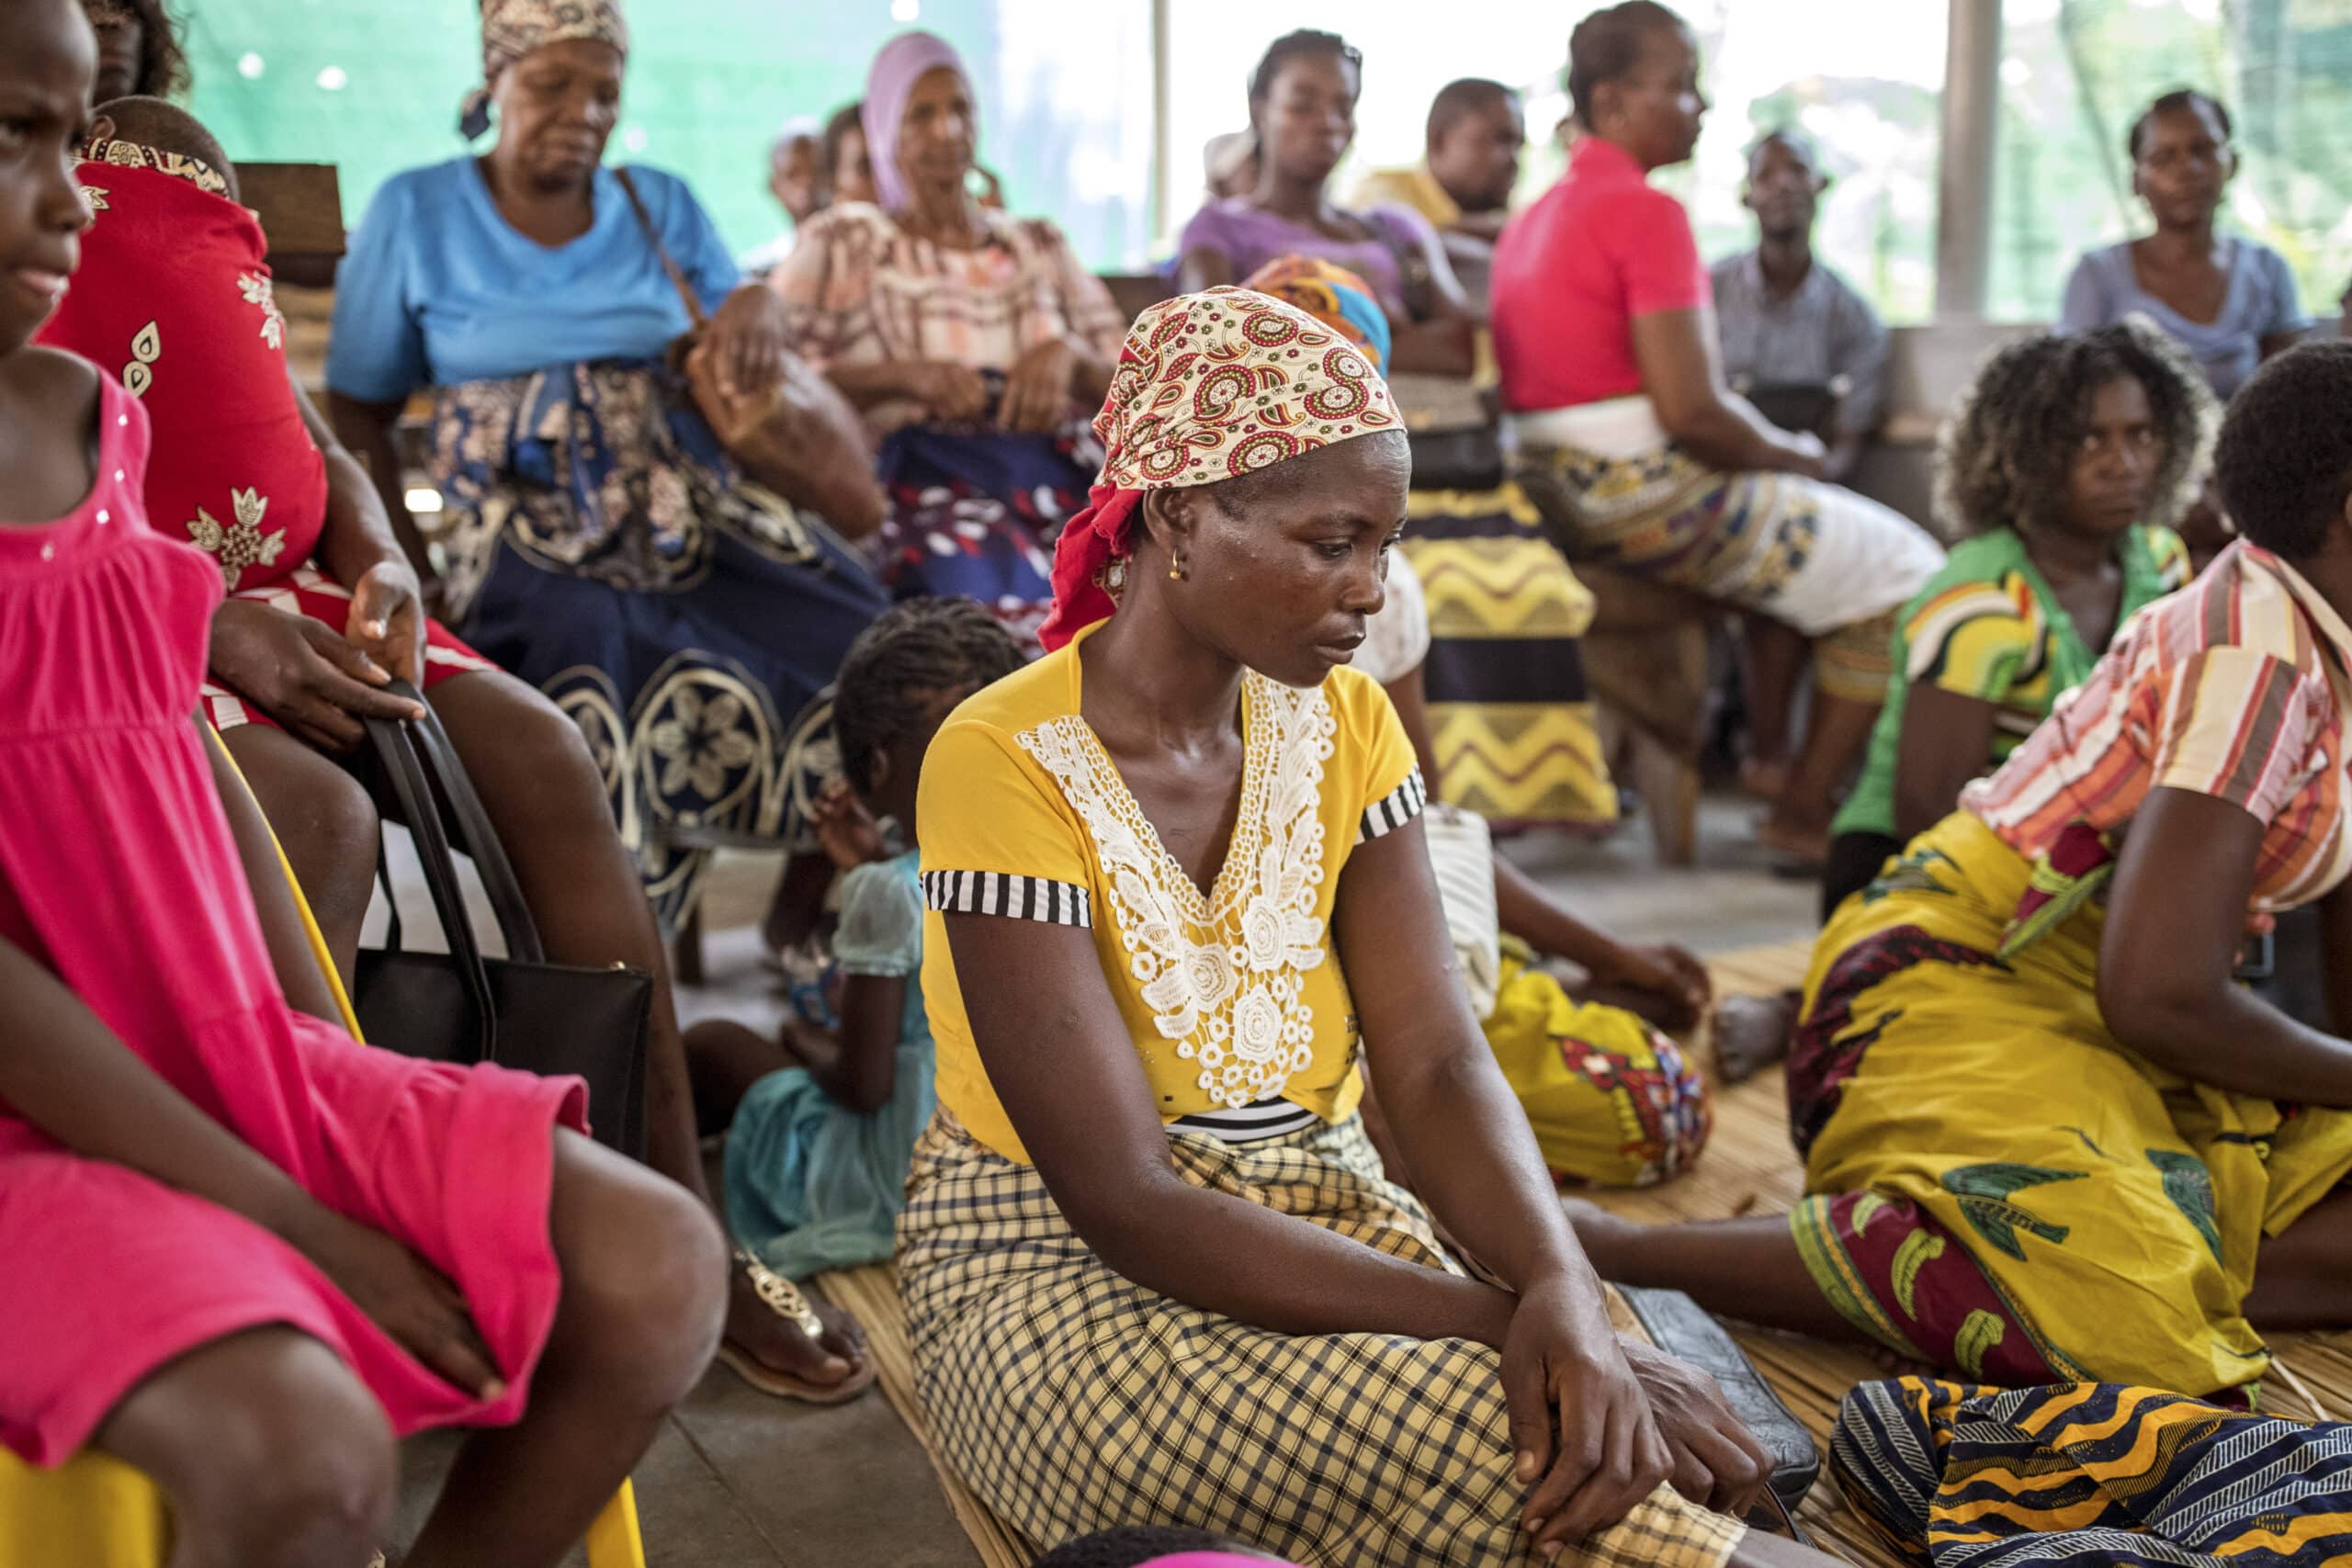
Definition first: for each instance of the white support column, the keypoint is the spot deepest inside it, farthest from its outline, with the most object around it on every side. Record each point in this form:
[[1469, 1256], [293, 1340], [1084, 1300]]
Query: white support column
[[1972, 116], [1163, 124]]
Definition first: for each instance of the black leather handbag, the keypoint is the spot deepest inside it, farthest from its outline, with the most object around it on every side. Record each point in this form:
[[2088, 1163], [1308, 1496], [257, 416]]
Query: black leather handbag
[[1456, 436], [520, 1011]]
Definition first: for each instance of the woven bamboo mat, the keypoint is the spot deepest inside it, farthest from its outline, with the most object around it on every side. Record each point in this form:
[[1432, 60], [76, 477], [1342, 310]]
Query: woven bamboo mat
[[1748, 1167], [873, 1294]]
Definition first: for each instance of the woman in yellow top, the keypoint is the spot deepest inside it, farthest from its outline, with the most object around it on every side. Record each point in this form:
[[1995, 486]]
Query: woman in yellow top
[[1178, 891]]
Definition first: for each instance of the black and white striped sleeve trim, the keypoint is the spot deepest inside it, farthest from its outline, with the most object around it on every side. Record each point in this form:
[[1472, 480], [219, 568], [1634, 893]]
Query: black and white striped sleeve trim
[[1395, 809], [999, 893]]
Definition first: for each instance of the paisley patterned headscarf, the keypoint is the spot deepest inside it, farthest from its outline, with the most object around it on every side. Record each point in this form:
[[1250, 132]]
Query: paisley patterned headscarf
[[513, 29], [1333, 295], [1209, 386]]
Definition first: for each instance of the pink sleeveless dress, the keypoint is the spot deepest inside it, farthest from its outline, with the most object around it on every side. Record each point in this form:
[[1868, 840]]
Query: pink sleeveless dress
[[117, 872]]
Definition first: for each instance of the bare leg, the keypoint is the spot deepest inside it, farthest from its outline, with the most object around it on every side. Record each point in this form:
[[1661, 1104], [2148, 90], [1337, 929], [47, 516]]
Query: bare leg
[[545, 798], [546, 801], [1771, 657], [272, 1454], [725, 1059], [2299, 1275], [798, 902], [1800, 822], [324, 822], [643, 1294], [1747, 1267]]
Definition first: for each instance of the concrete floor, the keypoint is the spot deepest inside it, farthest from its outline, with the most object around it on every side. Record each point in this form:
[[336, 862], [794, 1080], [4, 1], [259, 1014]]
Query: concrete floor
[[740, 1480]]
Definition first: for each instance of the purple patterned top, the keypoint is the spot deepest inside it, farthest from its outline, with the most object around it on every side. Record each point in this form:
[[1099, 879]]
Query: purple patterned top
[[1251, 237]]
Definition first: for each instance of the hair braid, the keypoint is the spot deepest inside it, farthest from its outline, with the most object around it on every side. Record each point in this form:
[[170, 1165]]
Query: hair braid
[[899, 665]]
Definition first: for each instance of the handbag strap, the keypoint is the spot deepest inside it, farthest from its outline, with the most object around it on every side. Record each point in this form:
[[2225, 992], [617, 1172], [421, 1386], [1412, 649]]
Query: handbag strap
[[391, 905], [695, 313], [415, 797], [439, 755]]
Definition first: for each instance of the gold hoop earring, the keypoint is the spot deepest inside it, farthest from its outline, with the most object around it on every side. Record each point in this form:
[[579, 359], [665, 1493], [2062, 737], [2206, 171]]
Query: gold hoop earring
[[1176, 572]]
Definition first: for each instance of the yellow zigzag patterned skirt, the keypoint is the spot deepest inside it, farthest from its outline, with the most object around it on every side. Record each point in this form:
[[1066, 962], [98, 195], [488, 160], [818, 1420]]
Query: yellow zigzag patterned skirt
[[1509, 710]]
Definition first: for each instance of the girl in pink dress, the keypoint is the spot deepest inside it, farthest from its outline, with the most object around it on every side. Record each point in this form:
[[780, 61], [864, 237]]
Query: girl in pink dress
[[241, 1251]]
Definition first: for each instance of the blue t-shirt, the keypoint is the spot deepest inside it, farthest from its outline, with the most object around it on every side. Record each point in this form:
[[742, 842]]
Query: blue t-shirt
[[439, 290], [2261, 303]]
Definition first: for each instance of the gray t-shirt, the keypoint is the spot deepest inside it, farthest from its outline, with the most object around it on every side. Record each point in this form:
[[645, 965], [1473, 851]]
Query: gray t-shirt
[[1822, 331], [2260, 302]]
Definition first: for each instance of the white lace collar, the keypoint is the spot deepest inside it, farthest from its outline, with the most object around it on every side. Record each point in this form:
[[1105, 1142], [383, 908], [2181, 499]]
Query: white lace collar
[[1223, 973]]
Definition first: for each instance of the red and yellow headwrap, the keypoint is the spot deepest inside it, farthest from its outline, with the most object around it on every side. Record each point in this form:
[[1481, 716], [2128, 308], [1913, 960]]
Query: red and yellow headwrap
[[1209, 386]]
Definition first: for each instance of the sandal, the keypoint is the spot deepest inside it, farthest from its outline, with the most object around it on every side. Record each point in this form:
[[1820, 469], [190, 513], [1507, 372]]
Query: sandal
[[788, 1302]]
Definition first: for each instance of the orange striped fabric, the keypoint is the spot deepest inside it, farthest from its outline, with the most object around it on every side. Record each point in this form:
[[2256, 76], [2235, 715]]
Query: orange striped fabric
[[2235, 687]]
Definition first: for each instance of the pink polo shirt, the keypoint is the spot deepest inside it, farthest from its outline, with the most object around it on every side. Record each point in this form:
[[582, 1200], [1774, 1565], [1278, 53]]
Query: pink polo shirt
[[1572, 272]]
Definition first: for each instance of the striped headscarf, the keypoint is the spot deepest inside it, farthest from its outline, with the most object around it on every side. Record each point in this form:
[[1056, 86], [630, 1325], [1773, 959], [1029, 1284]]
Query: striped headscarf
[[1333, 295], [1209, 386], [903, 62], [513, 29]]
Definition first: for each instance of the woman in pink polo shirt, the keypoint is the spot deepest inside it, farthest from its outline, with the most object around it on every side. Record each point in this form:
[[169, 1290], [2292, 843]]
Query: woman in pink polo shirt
[[1605, 334]]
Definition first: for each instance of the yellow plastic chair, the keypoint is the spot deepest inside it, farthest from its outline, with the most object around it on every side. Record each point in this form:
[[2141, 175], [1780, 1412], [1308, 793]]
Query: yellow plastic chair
[[93, 1511]]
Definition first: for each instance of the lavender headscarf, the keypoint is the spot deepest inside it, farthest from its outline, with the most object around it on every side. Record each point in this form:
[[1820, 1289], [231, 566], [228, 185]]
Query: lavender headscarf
[[902, 62]]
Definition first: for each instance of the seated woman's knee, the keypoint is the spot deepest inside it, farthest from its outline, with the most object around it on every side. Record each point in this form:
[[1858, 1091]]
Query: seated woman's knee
[[536, 742], [645, 1272], [298, 1467], [323, 814]]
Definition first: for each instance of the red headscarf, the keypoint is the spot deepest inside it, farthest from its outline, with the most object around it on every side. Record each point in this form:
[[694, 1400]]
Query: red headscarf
[[1208, 386], [173, 299]]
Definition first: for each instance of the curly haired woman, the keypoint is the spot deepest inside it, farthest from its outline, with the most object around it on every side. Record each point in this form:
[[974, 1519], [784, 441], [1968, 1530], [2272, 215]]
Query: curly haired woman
[[2059, 471], [2047, 1138]]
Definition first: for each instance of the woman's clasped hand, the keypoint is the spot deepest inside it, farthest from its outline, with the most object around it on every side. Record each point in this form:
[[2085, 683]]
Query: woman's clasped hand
[[1599, 1423]]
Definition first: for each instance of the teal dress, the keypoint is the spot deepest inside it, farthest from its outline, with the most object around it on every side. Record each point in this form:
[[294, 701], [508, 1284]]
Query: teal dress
[[811, 1184]]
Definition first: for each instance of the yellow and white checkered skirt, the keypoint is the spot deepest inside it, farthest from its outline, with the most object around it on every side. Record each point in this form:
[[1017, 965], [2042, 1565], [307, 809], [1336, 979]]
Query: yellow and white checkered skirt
[[1073, 1400]]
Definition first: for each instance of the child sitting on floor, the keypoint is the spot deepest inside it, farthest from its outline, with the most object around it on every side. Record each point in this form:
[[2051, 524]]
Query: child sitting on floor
[[1613, 1100], [823, 1120], [245, 1254]]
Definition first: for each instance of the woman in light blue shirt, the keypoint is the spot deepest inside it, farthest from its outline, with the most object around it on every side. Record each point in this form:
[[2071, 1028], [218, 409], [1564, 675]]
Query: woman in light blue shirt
[[2229, 302], [601, 544], [598, 541]]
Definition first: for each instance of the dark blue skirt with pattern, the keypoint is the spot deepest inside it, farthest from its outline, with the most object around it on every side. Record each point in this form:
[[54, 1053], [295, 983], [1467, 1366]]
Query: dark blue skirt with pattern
[[602, 547], [974, 514]]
